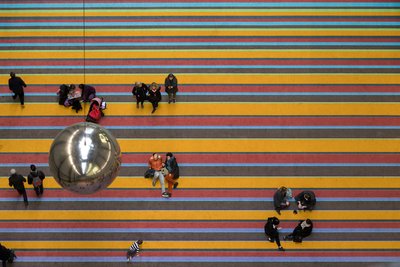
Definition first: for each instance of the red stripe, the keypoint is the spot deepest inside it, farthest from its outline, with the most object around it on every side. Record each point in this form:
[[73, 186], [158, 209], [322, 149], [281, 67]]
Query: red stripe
[[214, 19], [198, 193], [199, 225], [39, 158], [230, 88], [198, 62], [230, 253], [208, 121]]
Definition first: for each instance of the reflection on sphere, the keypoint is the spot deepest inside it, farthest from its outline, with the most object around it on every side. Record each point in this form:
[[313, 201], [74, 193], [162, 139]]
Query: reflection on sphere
[[84, 158]]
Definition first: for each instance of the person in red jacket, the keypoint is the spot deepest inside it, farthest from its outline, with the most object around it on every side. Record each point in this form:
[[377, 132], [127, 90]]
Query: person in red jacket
[[156, 163]]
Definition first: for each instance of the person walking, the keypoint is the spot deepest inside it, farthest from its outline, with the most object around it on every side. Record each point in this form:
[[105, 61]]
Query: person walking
[[154, 95], [302, 230], [16, 85], [171, 87], [17, 181], [305, 200], [173, 172], [35, 178], [271, 230], [156, 163], [281, 198], [133, 250], [140, 91]]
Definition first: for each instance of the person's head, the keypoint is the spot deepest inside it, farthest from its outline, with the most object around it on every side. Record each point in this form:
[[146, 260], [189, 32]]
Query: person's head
[[283, 189], [33, 167], [307, 196], [12, 74], [138, 84], [81, 86], [171, 76], [308, 221], [275, 221], [155, 155], [13, 171], [154, 86], [140, 241], [72, 86], [169, 155]]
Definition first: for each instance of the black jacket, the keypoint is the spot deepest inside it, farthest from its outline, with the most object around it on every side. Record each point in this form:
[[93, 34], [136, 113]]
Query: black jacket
[[309, 203], [140, 91], [34, 174], [155, 97], [279, 197], [5, 253], [16, 84], [269, 228], [87, 91], [302, 232], [173, 83], [172, 166], [17, 181]]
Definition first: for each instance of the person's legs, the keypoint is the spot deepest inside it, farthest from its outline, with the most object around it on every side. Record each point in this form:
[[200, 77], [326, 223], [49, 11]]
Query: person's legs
[[155, 177], [137, 102], [174, 97], [23, 193], [21, 98], [169, 177], [41, 189], [162, 182], [37, 190], [169, 97]]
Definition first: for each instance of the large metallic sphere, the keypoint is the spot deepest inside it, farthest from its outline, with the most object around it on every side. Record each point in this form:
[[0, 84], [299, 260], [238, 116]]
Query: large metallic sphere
[[84, 158]]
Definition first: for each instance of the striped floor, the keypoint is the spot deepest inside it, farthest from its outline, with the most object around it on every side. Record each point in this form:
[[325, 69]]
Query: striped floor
[[298, 93]]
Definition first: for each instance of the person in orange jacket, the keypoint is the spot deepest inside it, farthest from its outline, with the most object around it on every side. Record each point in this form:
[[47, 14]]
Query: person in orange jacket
[[156, 163]]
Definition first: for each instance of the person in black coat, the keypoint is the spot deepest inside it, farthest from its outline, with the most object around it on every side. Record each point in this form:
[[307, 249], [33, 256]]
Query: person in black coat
[[6, 255], [88, 92], [140, 91], [154, 95], [271, 231], [281, 198], [35, 178], [173, 172], [16, 85], [305, 201], [171, 87], [17, 181], [302, 230]]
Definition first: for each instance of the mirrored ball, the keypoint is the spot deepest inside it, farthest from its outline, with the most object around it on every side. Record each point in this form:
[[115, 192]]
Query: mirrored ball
[[84, 158]]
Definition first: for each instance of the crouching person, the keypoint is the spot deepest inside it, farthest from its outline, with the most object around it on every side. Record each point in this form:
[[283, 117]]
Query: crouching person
[[133, 250], [271, 230], [302, 230]]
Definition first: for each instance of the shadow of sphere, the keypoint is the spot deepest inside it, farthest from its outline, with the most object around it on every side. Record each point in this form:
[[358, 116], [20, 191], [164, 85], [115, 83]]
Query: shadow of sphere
[[84, 158]]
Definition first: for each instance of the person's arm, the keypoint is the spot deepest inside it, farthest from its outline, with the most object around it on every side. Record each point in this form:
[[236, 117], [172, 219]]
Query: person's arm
[[22, 82]]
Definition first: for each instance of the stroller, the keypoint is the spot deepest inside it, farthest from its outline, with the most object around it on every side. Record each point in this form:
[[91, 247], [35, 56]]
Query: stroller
[[97, 105]]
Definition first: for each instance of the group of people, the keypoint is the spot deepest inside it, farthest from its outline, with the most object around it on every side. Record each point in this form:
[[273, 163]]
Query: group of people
[[160, 170], [152, 93], [35, 178], [305, 200]]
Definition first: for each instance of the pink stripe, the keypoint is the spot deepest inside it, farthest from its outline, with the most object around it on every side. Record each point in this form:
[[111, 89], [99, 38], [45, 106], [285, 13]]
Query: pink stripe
[[209, 121], [9, 158], [230, 88], [214, 19], [232, 253], [207, 193]]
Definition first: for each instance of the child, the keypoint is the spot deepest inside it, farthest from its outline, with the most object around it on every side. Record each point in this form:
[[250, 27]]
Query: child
[[133, 250]]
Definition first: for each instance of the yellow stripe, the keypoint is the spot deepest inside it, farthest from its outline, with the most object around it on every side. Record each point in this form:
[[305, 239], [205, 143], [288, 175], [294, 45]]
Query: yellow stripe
[[199, 12], [225, 145], [196, 245], [157, 215], [211, 53], [216, 109], [232, 182]]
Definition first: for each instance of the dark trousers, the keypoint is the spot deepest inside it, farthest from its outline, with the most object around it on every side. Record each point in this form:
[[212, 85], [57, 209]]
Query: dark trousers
[[20, 95], [171, 96], [23, 193], [38, 190], [275, 239], [4, 263], [139, 100], [155, 104]]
